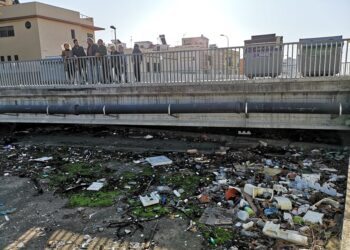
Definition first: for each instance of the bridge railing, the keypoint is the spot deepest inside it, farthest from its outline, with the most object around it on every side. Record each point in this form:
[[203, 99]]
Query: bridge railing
[[258, 61]]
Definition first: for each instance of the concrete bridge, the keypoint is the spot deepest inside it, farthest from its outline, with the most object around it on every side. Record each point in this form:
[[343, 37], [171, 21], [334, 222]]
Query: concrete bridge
[[292, 85]]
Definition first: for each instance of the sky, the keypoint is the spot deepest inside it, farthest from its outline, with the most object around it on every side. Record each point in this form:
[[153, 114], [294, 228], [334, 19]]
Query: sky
[[145, 20]]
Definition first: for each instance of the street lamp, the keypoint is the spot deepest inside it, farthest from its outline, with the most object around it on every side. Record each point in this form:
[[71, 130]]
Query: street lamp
[[228, 40], [115, 33]]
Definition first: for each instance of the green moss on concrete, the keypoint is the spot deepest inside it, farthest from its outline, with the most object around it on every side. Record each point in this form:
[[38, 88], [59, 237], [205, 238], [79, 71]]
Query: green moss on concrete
[[73, 171], [150, 212], [92, 199], [188, 183]]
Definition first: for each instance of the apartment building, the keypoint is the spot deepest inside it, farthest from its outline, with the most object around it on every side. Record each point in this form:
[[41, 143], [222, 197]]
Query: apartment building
[[34, 30]]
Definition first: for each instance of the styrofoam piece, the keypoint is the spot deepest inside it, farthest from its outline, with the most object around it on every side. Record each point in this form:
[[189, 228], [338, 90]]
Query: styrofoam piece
[[274, 231], [283, 203], [159, 160], [256, 191], [150, 200], [313, 217], [95, 186]]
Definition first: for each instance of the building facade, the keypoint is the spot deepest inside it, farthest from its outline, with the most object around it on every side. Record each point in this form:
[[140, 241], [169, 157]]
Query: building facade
[[35, 30]]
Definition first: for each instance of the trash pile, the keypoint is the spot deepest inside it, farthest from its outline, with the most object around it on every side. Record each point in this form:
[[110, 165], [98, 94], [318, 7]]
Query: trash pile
[[254, 198]]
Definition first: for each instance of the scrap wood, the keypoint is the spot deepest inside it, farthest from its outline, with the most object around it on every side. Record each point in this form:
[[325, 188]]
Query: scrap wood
[[249, 199]]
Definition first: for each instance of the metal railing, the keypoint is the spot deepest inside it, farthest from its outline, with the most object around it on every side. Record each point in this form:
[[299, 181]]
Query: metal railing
[[258, 61]]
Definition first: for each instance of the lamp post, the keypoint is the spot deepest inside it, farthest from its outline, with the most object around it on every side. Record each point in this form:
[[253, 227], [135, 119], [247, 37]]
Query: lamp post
[[227, 55], [227, 38], [115, 33]]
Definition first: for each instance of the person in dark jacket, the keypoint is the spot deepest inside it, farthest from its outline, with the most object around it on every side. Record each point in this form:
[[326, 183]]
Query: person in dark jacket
[[92, 47], [102, 55], [119, 63], [137, 59], [68, 60], [91, 53], [79, 53]]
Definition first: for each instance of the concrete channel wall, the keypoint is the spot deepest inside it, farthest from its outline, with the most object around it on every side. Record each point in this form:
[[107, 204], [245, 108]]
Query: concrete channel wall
[[336, 90]]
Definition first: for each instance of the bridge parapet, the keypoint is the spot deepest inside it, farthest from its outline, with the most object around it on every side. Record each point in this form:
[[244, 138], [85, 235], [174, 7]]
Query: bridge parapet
[[267, 61]]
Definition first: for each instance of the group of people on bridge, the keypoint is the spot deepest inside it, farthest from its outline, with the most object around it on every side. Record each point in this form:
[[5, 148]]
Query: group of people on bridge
[[95, 63]]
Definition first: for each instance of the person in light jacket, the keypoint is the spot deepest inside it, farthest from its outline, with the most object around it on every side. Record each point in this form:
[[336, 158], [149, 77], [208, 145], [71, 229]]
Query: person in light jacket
[[68, 60]]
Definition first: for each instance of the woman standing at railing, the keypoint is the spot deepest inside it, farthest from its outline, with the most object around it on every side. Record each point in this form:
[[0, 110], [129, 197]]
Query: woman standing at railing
[[68, 58]]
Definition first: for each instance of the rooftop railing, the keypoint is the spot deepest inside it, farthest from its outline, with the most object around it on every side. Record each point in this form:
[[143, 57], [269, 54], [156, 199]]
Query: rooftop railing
[[257, 61]]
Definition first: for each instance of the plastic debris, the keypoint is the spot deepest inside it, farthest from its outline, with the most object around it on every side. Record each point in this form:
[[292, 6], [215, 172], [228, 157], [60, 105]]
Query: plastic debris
[[148, 137], [298, 220], [8, 211], [270, 211], [255, 192], [177, 194], [203, 198], [243, 215], [159, 161], [42, 159], [313, 217], [327, 201], [216, 216], [232, 193], [283, 203], [287, 217], [273, 230], [248, 225], [280, 189]]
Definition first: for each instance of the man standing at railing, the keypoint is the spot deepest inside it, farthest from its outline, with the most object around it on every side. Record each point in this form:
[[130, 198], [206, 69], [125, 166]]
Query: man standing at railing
[[137, 59], [102, 55], [91, 52], [78, 52]]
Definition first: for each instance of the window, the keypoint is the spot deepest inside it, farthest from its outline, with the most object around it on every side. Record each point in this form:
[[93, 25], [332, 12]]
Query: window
[[89, 35], [7, 31], [72, 32], [16, 58], [148, 67], [2, 58], [9, 58]]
